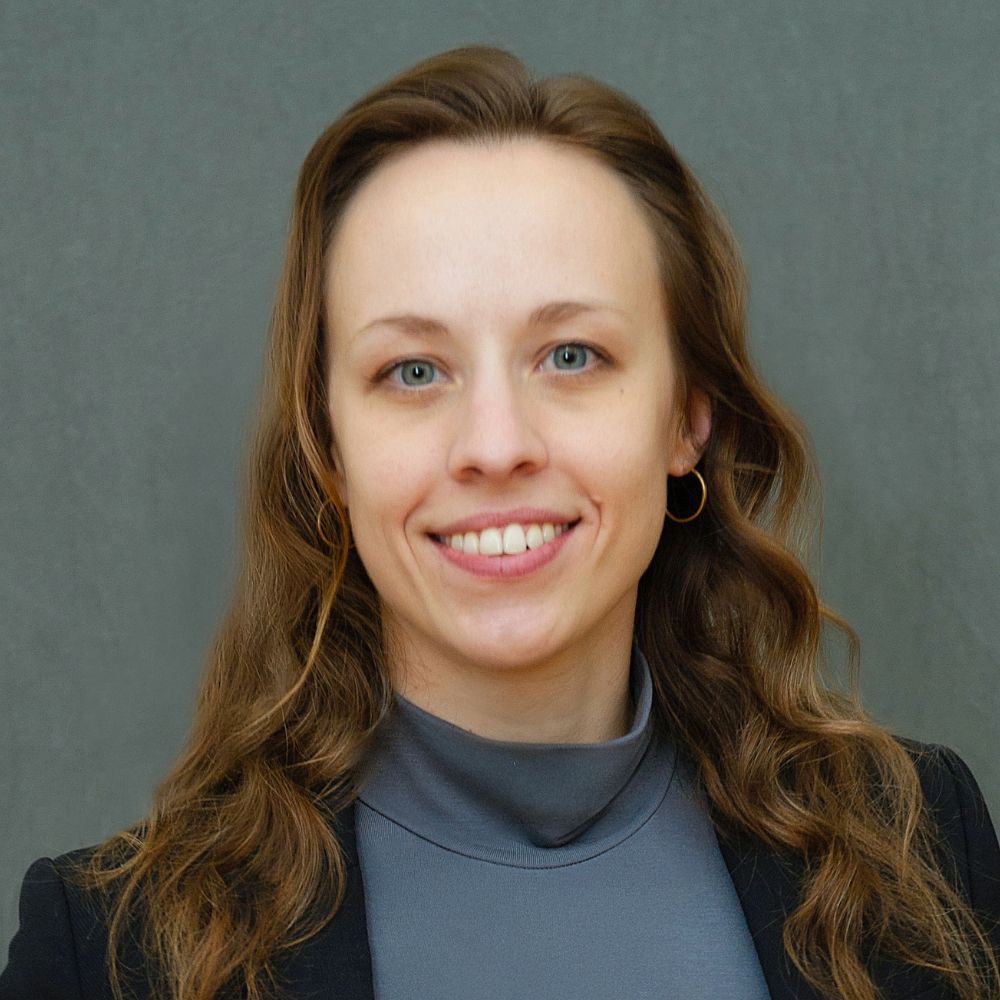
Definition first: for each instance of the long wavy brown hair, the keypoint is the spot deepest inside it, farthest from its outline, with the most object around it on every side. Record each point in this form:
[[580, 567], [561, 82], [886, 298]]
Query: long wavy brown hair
[[239, 858]]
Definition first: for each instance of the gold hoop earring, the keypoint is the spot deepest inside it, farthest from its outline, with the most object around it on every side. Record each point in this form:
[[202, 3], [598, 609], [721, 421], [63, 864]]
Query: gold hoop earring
[[701, 506], [319, 527]]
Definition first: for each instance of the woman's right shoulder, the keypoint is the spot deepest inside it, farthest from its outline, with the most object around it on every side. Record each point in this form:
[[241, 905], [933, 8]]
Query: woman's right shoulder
[[60, 948]]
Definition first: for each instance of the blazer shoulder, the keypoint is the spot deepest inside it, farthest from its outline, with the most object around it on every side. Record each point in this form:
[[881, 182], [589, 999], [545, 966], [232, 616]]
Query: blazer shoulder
[[959, 809], [60, 948], [42, 957]]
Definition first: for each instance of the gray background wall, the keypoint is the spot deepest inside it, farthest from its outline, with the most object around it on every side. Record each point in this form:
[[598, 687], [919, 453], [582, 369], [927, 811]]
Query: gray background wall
[[148, 157]]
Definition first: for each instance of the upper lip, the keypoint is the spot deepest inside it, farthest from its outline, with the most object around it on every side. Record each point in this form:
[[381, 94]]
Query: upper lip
[[494, 519]]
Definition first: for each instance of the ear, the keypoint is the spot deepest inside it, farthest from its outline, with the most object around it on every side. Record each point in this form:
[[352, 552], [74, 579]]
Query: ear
[[693, 434]]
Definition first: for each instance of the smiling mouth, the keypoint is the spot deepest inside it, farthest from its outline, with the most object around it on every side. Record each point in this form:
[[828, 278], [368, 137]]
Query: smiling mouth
[[508, 540]]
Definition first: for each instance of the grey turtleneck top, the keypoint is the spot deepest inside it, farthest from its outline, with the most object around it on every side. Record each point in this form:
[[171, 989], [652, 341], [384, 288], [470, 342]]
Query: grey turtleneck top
[[504, 870]]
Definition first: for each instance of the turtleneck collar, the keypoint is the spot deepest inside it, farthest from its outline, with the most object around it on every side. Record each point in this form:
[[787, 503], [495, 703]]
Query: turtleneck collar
[[530, 804]]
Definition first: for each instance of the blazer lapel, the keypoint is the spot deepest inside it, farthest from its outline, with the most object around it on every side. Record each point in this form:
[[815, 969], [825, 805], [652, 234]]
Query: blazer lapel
[[768, 886], [336, 963]]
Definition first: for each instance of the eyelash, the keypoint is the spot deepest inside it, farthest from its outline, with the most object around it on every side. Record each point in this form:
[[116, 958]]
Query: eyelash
[[384, 375]]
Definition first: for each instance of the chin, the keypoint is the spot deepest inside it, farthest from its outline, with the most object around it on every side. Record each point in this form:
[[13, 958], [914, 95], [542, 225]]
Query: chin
[[509, 651]]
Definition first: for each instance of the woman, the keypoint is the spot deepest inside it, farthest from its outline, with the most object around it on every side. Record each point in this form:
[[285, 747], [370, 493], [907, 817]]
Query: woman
[[520, 693]]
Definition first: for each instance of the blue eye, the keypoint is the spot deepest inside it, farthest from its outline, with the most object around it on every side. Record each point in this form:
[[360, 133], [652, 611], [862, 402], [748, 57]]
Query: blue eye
[[415, 373], [570, 357]]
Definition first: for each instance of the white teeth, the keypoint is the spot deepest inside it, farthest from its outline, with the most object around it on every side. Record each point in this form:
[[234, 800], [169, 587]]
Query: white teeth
[[491, 542], [512, 539]]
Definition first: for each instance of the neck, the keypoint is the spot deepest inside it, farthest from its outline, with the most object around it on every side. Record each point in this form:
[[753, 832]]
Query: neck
[[568, 698]]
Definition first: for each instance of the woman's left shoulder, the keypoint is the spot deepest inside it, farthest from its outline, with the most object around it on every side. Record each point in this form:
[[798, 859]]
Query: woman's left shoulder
[[959, 808]]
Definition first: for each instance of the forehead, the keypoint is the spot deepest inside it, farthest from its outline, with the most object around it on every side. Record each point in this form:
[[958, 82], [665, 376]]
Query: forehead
[[468, 231]]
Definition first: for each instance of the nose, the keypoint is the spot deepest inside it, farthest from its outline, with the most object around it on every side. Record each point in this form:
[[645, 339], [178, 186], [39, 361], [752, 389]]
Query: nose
[[497, 431]]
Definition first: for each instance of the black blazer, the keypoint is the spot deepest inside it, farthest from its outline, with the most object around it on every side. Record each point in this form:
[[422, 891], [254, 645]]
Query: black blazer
[[58, 953]]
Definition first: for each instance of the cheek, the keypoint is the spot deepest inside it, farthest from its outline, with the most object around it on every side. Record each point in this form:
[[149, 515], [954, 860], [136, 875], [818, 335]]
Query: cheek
[[363, 449], [378, 488], [386, 475], [640, 510], [624, 468], [627, 453]]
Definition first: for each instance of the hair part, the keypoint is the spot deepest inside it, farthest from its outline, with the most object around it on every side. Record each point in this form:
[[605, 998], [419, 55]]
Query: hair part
[[728, 618]]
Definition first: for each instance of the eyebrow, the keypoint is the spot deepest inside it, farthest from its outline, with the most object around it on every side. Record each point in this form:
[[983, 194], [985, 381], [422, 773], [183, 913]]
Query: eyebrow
[[545, 315]]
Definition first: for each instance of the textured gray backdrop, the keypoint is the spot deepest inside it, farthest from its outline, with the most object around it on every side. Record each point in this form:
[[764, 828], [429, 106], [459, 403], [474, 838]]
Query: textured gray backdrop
[[148, 157]]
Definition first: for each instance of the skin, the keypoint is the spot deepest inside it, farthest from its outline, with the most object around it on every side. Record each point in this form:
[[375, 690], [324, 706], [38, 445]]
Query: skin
[[477, 238]]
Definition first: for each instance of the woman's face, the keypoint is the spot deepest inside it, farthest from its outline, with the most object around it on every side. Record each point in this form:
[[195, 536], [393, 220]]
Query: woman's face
[[464, 397]]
